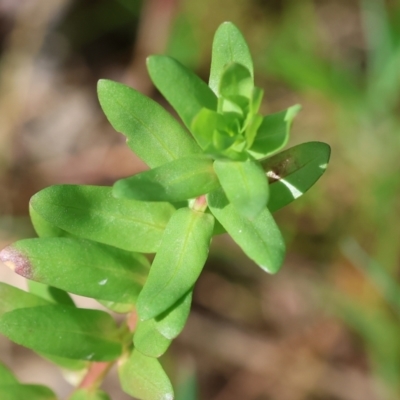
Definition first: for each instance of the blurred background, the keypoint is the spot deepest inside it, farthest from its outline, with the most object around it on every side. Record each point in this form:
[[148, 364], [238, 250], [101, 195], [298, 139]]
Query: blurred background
[[327, 327]]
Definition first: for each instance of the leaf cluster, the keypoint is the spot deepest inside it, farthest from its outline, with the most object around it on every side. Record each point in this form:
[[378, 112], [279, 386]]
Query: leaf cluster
[[226, 175]]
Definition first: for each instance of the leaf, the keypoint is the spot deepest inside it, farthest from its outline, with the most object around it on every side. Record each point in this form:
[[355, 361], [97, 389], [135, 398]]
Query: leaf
[[12, 298], [229, 46], [50, 293], [77, 366], [63, 331], [6, 376], [119, 308], [236, 80], [171, 322], [148, 340], [244, 184], [260, 239], [183, 89], [31, 392], [178, 180], [292, 172], [178, 263], [152, 133], [91, 212], [79, 266], [273, 133], [44, 228], [144, 378], [89, 394]]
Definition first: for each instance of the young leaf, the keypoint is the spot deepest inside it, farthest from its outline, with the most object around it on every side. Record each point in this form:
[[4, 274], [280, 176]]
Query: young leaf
[[183, 89], [79, 266], [119, 308], [236, 80], [89, 394], [229, 46], [171, 322], [178, 180], [91, 212], [292, 172], [152, 133], [244, 184], [178, 263], [273, 133], [144, 378], [50, 293], [260, 238], [63, 331], [148, 340], [18, 391], [6, 376], [12, 298]]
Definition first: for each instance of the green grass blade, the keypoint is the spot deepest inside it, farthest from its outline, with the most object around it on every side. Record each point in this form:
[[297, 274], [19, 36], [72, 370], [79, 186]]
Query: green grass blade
[[152, 133], [178, 180], [229, 46], [178, 263], [260, 239], [183, 89]]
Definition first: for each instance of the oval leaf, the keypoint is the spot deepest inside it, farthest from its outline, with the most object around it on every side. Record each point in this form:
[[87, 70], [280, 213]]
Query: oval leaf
[[292, 172], [244, 184], [64, 331], [144, 378], [79, 266], [31, 392], [91, 212], [229, 46], [152, 133], [183, 89], [178, 262], [178, 180], [260, 238]]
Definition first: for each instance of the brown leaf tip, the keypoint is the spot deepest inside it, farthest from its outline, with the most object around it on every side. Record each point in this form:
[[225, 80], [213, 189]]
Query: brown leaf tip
[[16, 261]]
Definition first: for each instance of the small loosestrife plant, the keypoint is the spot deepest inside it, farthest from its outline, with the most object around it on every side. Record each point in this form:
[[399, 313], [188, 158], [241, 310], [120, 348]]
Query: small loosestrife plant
[[226, 176]]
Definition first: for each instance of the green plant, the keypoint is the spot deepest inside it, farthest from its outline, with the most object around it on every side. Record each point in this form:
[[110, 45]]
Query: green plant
[[92, 238]]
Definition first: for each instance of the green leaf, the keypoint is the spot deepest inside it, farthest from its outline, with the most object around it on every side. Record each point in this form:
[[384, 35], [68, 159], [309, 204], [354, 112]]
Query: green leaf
[[119, 308], [50, 293], [79, 266], [43, 228], [244, 184], [178, 180], [260, 238], [229, 46], [183, 89], [78, 366], [63, 331], [171, 322], [236, 80], [12, 298], [144, 378], [292, 172], [178, 263], [31, 392], [273, 133], [6, 376], [148, 340], [91, 212], [89, 394], [152, 133]]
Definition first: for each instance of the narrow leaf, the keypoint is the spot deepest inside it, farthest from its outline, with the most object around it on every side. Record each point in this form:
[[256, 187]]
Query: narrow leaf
[[152, 133], [178, 263], [229, 46], [12, 298], [292, 172], [183, 89], [91, 212], [244, 184], [79, 266], [148, 340], [50, 293], [273, 133], [260, 238], [178, 180], [6, 376], [63, 331], [236, 80], [31, 392], [144, 378]]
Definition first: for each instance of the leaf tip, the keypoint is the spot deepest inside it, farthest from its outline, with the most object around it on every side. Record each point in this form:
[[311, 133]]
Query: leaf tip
[[16, 261]]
